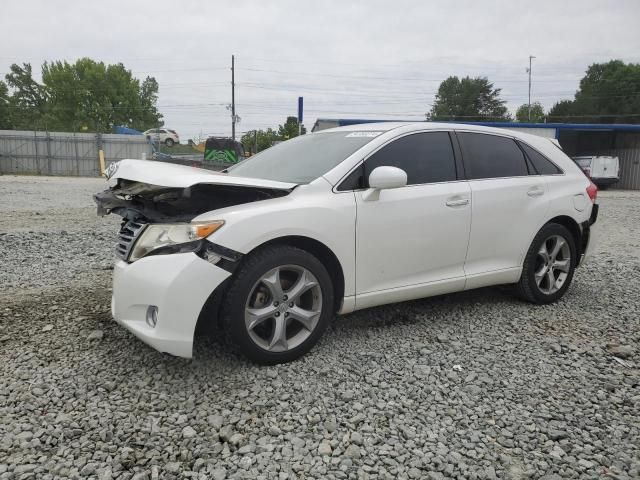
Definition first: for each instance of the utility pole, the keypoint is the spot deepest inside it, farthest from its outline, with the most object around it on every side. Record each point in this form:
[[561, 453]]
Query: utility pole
[[255, 140], [233, 98], [529, 71]]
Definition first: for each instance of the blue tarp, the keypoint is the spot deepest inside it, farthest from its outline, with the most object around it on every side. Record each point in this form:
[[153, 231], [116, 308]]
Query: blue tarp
[[125, 130]]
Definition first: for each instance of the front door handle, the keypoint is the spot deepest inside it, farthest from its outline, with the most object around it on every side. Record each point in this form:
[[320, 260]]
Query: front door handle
[[535, 192], [457, 202]]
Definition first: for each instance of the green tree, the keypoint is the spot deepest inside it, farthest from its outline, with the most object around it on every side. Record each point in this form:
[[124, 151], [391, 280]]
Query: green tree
[[85, 95], [290, 129], [470, 99], [537, 113], [93, 96], [27, 102], [5, 109], [562, 112], [149, 115], [608, 93], [263, 138]]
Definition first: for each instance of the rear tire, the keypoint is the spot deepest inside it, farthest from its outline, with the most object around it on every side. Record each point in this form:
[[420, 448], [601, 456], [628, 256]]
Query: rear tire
[[549, 265], [169, 142], [279, 303]]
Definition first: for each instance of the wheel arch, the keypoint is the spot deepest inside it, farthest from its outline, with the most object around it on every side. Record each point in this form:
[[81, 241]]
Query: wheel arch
[[568, 222], [573, 227], [209, 318], [322, 253]]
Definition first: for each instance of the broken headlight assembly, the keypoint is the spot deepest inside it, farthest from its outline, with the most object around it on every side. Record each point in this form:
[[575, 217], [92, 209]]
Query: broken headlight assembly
[[157, 238]]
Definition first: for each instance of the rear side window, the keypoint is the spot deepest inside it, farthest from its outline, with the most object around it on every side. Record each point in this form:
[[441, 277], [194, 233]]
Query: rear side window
[[425, 157], [490, 156], [541, 164]]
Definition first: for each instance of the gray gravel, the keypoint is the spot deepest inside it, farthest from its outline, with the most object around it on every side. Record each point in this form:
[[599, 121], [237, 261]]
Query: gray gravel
[[471, 385], [50, 235]]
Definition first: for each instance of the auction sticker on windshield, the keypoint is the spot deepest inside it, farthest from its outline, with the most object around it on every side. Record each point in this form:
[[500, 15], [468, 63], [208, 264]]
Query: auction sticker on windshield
[[363, 134]]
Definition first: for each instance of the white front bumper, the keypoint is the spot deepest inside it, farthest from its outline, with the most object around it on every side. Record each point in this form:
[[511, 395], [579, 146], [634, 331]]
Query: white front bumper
[[178, 285]]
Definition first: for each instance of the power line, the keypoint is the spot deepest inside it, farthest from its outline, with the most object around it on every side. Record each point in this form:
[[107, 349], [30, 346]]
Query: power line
[[374, 77], [404, 91]]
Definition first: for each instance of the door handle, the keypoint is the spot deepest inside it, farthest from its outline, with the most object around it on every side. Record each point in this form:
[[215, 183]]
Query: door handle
[[535, 192], [457, 202]]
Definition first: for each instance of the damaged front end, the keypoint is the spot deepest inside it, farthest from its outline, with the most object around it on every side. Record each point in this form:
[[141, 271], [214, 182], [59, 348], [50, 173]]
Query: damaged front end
[[161, 298], [154, 203], [157, 219]]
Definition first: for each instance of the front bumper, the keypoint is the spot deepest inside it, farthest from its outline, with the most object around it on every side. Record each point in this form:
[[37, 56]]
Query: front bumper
[[178, 285]]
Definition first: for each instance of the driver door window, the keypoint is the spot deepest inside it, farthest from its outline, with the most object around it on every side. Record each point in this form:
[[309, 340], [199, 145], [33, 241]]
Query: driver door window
[[425, 157]]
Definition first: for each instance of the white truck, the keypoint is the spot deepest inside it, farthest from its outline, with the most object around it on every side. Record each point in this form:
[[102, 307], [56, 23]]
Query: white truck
[[602, 170]]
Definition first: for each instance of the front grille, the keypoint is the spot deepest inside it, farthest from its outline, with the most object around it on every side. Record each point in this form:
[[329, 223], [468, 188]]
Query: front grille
[[127, 237]]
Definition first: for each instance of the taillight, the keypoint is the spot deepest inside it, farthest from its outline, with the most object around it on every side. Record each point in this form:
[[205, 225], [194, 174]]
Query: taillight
[[592, 191]]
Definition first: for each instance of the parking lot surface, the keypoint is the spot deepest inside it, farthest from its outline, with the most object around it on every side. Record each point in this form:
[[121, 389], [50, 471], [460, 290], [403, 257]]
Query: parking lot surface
[[471, 385]]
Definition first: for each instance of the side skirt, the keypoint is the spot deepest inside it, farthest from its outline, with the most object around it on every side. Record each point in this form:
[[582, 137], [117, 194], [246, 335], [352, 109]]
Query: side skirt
[[495, 277], [410, 292]]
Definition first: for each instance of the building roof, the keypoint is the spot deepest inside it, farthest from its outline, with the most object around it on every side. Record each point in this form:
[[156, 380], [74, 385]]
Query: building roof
[[620, 127]]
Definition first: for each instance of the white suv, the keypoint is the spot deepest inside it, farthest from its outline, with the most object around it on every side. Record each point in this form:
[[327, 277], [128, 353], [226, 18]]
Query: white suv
[[337, 221], [163, 135]]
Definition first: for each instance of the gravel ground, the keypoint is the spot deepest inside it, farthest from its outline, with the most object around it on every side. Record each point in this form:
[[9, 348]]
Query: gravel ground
[[471, 385]]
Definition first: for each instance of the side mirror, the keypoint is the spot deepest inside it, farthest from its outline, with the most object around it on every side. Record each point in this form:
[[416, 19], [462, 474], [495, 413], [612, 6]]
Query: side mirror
[[387, 177]]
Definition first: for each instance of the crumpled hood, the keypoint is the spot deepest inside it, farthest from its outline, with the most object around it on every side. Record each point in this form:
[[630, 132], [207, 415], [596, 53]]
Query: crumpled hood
[[181, 176], [152, 191]]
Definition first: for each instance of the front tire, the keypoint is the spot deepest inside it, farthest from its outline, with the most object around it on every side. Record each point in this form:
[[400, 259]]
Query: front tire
[[549, 265], [279, 303]]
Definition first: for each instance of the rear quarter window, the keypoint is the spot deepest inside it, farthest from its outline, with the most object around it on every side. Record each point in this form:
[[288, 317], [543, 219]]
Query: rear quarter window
[[541, 164]]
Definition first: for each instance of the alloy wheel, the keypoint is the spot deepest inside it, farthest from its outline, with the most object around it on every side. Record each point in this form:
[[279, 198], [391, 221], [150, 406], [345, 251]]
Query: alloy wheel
[[283, 308], [553, 264]]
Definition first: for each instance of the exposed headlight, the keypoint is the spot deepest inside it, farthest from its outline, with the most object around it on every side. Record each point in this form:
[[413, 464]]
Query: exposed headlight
[[159, 235]]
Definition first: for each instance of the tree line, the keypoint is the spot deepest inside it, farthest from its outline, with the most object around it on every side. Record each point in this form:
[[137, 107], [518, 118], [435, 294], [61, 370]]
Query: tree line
[[92, 96], [82, 96], [608, 93], [257, 140]]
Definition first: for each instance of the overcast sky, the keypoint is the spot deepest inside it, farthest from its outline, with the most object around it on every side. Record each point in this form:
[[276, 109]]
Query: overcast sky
[[359, 59]]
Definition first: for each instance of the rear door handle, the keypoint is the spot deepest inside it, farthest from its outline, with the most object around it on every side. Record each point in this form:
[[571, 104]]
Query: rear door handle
[[457, 202], [535, 192]]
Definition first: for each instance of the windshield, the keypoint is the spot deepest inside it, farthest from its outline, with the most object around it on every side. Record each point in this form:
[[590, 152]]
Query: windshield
[[304, 158]]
